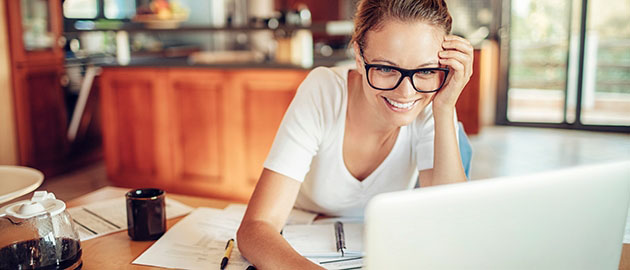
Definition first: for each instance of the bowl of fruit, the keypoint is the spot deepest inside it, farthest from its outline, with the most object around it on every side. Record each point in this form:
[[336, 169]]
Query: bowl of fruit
[[161, 14]]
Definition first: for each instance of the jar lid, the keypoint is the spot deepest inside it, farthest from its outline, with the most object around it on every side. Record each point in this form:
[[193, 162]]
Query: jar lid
[[41, 203]]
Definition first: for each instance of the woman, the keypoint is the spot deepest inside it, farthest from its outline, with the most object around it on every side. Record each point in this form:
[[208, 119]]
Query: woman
[[350, 134]]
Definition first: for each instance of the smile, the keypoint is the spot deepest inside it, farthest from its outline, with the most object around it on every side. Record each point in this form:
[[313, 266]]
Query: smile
[[401, 106]]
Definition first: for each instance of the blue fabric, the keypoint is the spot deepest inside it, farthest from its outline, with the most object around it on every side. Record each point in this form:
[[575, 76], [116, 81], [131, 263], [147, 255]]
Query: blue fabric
[[465, 150]]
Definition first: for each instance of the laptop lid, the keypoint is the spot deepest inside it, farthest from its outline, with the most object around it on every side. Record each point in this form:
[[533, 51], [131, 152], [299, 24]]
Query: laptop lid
[[567, 219]]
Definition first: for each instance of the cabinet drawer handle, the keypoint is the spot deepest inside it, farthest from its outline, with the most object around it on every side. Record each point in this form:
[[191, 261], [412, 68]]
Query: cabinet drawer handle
[[61, 41], [64, 80]]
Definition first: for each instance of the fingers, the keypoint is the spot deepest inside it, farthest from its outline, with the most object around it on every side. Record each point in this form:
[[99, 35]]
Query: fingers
[[455, 37], [459, 56], [460, 63], [452, 42], [456, 66], [459, 49], [454, 83]]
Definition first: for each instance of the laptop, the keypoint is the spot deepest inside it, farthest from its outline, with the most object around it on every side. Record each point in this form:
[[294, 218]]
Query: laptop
[[567, 219]]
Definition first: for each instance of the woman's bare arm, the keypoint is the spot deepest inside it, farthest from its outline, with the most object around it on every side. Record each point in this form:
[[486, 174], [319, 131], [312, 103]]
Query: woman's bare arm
[[258, 237], [447, 164]]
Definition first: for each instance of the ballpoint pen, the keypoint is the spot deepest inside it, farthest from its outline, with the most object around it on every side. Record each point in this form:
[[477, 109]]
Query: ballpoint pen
[[340, 237], [228, 250]]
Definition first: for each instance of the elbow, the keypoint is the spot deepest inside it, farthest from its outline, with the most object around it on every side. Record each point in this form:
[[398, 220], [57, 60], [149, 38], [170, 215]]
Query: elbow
[[246, 236], [241, 237]]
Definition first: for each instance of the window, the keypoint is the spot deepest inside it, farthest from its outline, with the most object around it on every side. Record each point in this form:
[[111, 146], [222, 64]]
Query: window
[[606, 85], [539, 44], [568, 64]]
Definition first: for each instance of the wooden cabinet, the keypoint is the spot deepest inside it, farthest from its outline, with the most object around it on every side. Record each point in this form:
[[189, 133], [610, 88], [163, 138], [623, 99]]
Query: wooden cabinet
[[130, 124], [468, 111], [37, 70], [193, 131], [201, 127], [266, 95], [41, 116], [35, 28], [39, 99]]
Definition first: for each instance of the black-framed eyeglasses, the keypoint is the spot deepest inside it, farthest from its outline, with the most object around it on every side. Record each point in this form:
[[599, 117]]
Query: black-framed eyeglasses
[[423, 80]]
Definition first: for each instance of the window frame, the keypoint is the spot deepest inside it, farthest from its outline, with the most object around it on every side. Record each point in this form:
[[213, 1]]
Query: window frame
[[502, 91]]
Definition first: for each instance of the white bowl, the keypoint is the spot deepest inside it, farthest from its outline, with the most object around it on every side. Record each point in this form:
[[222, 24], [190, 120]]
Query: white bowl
[[16, 181]]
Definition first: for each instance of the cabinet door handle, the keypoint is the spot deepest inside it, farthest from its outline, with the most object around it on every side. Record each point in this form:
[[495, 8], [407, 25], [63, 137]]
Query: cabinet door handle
[[64, 80], [61, 41]]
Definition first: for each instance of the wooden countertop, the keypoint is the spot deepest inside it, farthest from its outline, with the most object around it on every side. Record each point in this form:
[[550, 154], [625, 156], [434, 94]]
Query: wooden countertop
[[183, 62], [117, 251]]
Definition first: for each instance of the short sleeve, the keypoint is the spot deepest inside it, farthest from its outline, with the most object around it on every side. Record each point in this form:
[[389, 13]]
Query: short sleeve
[[300, 133], [423, 134]]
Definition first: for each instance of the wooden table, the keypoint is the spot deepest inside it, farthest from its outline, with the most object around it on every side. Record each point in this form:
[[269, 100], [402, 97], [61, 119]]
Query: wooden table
[[117, 251]]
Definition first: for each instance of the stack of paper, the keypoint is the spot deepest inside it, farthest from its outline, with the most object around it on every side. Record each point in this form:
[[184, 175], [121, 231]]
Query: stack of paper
[[317, 242], [340, 263], [101, 218], [295, 217], [198, 240]]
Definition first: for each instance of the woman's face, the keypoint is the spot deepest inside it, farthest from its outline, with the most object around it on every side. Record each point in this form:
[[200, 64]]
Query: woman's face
[[408, 45]]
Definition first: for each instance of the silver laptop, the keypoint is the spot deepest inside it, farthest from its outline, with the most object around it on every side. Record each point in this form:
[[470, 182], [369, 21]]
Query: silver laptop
[[567, 219]]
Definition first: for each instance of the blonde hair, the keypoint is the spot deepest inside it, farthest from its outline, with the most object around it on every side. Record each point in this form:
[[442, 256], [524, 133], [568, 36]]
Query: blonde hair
[[371, 14]]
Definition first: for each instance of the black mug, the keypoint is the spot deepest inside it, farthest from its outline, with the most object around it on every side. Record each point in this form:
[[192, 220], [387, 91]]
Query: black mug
[[146, 214]]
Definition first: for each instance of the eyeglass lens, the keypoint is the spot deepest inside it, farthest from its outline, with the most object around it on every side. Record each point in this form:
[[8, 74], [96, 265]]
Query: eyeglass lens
[[388, 78]]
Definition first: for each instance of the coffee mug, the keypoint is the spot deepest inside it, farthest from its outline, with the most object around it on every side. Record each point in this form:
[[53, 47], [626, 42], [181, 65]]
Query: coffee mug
[[146, 214]]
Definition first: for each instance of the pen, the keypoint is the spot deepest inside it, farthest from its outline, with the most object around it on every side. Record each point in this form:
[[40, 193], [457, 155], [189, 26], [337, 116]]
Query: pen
[[228, 251], [341, 242], [251, 267]]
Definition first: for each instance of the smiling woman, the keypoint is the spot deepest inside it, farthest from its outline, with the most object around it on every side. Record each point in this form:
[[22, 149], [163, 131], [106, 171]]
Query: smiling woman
[[395, 44], [353, 132]]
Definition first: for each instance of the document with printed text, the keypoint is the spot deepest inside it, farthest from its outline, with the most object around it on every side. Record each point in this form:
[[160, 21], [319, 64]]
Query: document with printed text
[[198, 240], [101, 218]]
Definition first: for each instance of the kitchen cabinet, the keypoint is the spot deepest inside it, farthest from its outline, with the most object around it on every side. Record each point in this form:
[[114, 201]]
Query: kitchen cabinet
[[129, 126], [194, 131], [204, 131], [468, 104], [266, 96], [36, 68], [41, 116], [35, 28], [39, 98]]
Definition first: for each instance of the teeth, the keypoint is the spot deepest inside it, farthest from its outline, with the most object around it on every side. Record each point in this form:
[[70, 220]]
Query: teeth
[[400, 105]]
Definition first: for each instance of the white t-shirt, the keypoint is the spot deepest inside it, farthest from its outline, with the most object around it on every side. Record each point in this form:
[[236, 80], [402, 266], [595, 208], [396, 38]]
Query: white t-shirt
[[309, 148]]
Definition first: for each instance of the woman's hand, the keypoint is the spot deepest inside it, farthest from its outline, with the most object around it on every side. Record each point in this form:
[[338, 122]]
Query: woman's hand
[[458, 57]]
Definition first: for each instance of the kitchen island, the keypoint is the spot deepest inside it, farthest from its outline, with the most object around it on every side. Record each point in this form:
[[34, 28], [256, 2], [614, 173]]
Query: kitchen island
[[203, 130], [192, 130]]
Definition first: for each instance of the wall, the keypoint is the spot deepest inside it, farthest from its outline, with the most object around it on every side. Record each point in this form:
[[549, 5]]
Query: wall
[[8, 143], [488, 81]]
